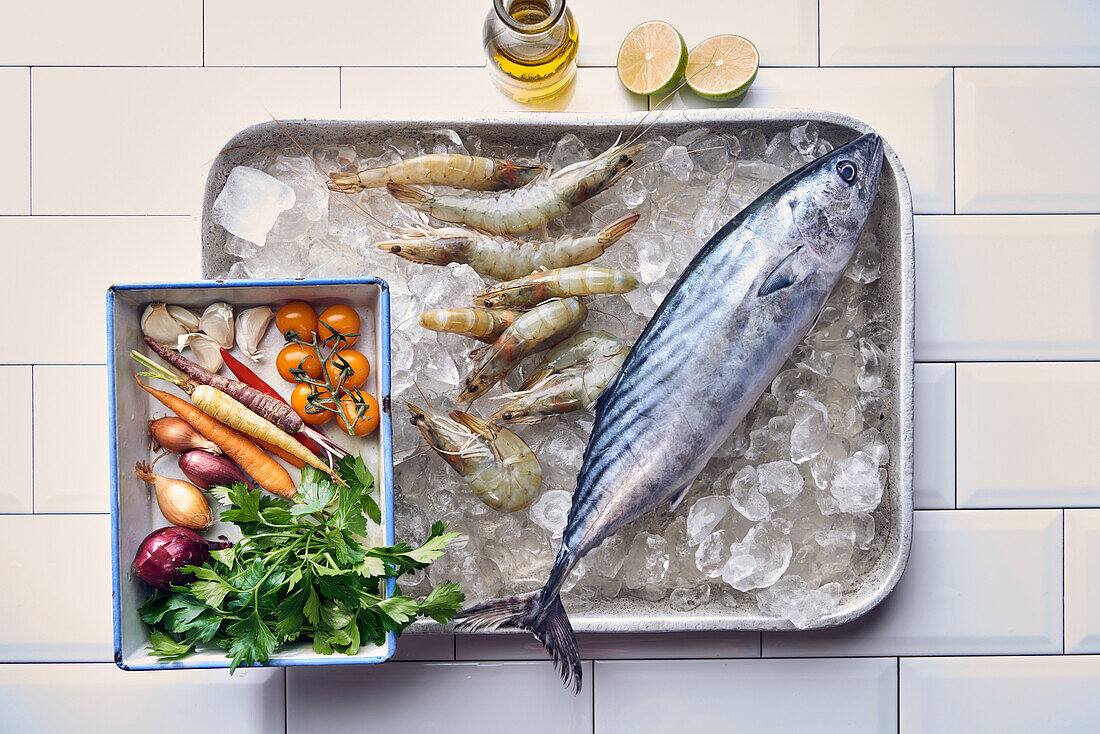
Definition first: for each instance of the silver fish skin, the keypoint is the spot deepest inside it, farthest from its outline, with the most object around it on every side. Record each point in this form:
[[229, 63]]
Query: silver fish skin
[[721, 335]]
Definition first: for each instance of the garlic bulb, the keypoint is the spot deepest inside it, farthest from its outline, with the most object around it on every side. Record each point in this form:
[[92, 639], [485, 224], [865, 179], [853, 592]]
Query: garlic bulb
[[157, 324], [251, 327], [204, 350], [185, 316], [217, 323]]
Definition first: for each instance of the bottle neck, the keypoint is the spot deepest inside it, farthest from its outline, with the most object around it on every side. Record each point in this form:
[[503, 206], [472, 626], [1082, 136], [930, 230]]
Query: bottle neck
[[529, 20]]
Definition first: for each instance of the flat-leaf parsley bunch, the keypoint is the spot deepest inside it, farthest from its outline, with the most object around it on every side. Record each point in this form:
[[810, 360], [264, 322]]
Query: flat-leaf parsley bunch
[[299, 572]]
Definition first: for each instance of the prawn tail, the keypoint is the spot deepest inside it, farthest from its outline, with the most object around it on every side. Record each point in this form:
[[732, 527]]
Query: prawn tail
[[545, 619], [513, 175], [414, 196], [613, 232]]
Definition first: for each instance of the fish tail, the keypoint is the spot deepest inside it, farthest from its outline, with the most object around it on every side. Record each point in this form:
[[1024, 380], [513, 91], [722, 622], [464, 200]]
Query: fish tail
[[545, 619]]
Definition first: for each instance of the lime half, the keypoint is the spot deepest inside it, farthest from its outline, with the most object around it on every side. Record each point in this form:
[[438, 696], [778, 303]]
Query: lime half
[[652, 58], [722, 67]]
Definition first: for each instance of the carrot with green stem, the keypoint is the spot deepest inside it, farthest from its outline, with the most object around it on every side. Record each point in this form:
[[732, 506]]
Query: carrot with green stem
[[228, 410], [267, 472]]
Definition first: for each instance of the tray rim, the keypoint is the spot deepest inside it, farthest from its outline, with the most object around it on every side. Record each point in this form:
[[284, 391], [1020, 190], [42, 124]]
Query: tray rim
[[583, 622]]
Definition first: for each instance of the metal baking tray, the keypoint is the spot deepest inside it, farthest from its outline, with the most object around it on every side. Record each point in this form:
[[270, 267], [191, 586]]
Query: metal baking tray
[[893, 518]]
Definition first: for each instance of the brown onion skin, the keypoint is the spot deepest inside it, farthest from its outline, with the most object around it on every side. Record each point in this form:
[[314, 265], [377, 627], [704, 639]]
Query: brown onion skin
[[206, 470], [176, 434], [164, 552]]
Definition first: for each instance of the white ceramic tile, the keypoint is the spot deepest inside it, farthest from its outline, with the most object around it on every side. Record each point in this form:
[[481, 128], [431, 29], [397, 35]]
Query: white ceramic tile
[[978, 583], [1008, 287], [62, 32], [934, 436], [15, 439], [57, 576], [1023, 140], [462, 698], [1027, 434], [611, 646], [78, 258], [102, 698], [15, 131], [437, 33], [146, 137], [1056, 695], [784, 31], [949, 33], [1082, 595], [384, 93], [70, 476], [746, 695], [911, 108], [425, 647]]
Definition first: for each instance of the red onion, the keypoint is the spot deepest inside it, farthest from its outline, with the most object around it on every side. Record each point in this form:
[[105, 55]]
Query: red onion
[[207, 470], [164, 552]]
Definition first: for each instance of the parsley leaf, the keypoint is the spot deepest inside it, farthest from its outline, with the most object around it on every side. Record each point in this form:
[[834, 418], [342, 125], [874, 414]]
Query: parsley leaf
[[165, 648]]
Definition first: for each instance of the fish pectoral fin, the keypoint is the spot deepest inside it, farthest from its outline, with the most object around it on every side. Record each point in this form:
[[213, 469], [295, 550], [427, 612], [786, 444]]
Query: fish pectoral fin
[[784, 274], [679, 496]]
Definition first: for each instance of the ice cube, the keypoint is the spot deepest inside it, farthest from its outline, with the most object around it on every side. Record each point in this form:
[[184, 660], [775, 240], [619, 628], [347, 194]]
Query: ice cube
[[857, 485], [712, 554], [687, 598], [870, 371], [250, 202], [704, 516], [677, 162], [824, 464], [647, 561], [804, 140], [551, 510], [608, 557], [873, 444], [711, 154], [569, 150], [759, 559], [792, 598], [653, 259], [560, 454], [780, 482], [753, 142], [827, 556], [810, 429], [746, 496]]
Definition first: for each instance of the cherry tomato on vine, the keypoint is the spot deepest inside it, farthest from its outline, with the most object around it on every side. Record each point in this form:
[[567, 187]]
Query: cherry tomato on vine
[[355, 360], [340, 318], [296, 356], [300, 397], [360, 409], [298, 317]]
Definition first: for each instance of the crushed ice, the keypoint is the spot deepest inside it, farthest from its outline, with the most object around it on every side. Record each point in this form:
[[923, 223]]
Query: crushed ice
[[780, 519]]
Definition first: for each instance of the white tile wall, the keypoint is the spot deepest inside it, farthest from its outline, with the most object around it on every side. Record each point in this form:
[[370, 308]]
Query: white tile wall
[[354, 34], [103, 698], [948, 33], [910, 107], [747, 695], [61, 33], [70, 475], [961, 695], [1021, 140], [57, 578], [1082, 595], [80, 257], [1027, 434], [611, 646], [145, 137], [934, 436], [15, 439], [784, 31], [15, 131], [383, 93], [1008, 287], [980, 582], [463, 698]]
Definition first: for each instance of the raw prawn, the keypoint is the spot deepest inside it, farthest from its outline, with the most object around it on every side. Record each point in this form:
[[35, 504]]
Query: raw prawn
[[537, 326], [442, 169], [571, 376], [510, 212], [496, 258], [480, 323], [579, 280], [498, 465]]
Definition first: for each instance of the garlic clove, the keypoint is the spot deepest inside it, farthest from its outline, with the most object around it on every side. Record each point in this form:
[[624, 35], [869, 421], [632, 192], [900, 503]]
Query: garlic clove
[[185, 316], [204, 350], [217, 323], [251, 327], [157, 324]]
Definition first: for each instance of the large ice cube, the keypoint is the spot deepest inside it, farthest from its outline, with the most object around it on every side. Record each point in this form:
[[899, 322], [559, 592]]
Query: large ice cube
[[857, 485], [792, 598], [759, 560], [250, 203]]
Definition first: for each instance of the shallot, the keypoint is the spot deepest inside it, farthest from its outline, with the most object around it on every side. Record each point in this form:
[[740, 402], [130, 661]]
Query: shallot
[[207, 470], [164, 552], [181, 503], [177, 435]]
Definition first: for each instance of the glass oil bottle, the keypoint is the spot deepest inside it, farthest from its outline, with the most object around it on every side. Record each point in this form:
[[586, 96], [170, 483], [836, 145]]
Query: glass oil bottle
[[531, 46]]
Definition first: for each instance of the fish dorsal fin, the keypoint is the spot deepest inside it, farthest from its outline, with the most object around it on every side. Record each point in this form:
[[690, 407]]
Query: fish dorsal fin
[[790, 270], [679, 496]]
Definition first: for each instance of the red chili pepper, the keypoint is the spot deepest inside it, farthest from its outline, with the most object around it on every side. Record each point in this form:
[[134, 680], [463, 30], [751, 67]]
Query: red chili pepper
[[241, 371]]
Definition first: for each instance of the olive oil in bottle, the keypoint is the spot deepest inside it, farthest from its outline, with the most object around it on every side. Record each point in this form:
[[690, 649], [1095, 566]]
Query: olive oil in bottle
[[531, 46]]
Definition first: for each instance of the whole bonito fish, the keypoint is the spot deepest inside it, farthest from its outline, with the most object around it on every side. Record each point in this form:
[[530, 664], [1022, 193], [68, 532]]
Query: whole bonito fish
[[723, 332]]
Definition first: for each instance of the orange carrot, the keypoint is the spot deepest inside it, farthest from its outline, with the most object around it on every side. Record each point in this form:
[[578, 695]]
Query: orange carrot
[[267, 472], [276, 451]]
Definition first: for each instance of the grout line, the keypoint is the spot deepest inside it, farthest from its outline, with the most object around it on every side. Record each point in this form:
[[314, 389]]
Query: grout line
[[954, 151], [592, 693], [30, 140], [203, 53], [819, 33], [955, 394], [1063, 582], [33, 472], [898, 699]]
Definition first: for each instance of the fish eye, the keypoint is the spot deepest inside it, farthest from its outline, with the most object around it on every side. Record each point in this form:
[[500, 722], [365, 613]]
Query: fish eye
[[847, 171]]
